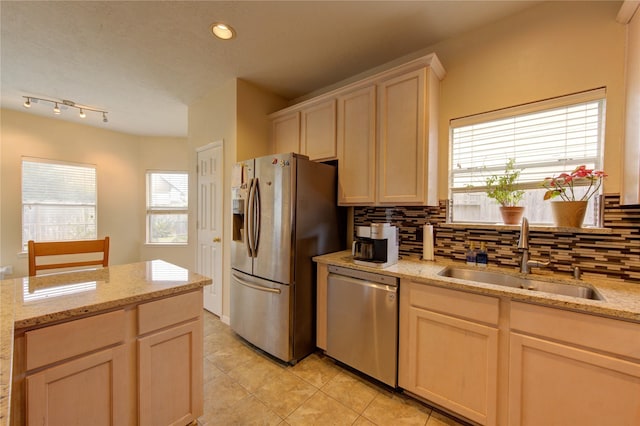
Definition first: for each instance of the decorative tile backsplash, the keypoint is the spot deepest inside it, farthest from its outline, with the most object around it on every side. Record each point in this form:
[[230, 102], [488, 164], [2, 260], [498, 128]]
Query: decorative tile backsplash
[[612, 252]]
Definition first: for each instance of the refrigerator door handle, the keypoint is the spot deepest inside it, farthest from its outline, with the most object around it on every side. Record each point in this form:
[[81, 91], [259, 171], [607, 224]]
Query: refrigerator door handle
[[255, 286], [249, 222], [256, 217]]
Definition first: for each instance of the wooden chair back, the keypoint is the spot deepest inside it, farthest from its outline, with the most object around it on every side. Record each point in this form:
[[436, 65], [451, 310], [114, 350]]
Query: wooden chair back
[[61, 248]]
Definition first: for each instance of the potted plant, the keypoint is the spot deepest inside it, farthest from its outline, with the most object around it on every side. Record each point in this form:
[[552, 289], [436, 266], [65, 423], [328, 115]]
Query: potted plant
[[502, 188], [569, 211]]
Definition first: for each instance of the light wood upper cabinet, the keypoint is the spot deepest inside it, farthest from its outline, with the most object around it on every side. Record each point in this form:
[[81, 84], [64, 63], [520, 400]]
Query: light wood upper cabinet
[[357, 147], [318, 130], [401, 142], [286, 133], [381, 129], [448, 349]]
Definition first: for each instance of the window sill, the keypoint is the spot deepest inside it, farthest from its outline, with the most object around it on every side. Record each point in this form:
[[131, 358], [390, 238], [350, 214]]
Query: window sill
[[166, 244], [537, 228]]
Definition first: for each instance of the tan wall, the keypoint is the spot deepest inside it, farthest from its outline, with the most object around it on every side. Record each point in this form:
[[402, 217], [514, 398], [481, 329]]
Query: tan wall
[[120, 173], [550, 50], [235, 113]]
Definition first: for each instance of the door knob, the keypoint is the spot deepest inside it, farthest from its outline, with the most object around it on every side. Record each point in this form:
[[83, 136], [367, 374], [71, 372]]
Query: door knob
[[217, 240]]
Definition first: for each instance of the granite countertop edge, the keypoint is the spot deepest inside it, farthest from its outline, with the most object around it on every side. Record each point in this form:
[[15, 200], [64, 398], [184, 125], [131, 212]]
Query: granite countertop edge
[[621, 300]]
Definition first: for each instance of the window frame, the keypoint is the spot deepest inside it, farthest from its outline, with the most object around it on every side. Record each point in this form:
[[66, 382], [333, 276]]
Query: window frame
[[158, 211], [546, 105], [94, 205]]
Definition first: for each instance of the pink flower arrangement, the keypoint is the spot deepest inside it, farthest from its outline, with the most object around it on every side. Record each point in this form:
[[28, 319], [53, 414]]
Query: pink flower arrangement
[[563, 184]]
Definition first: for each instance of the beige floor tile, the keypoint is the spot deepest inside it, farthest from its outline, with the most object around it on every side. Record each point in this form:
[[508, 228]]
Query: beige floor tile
[[256, 372], [285, 393], [221, 395], [322, 410], [248, 411], [396, 409], [350, 391], [363, 421], [438, 419], [316, 369], [210, 371]]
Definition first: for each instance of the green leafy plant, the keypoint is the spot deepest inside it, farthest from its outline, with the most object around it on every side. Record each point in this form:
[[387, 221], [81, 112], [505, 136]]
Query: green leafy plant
[[502, 188]]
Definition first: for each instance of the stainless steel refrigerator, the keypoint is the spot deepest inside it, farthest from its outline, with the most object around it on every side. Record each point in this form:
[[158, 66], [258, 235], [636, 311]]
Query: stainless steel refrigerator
[[284, 212]]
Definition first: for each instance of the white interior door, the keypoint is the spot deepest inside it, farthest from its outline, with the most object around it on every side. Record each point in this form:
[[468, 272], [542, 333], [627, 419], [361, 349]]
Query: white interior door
[[210, 187]]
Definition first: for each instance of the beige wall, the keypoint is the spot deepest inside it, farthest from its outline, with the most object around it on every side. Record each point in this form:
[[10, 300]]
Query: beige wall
[[120, 173], [236, 114], [553, 49]]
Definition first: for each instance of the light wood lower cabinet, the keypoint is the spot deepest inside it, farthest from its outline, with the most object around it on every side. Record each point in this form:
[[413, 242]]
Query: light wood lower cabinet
[[170, 376], [140, 365], [571, 368], [90, 390], [449, 349]]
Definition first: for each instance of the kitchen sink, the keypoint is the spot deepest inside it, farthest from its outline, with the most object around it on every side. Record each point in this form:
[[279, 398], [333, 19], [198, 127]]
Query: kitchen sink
[[498, 278]]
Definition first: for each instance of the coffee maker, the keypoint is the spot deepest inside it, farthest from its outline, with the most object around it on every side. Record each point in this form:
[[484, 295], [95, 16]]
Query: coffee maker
[[376, 245]]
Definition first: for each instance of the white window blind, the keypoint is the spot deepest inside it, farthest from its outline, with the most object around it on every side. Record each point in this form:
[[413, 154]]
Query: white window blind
[[58, 201], [545, 138], [167, 207]]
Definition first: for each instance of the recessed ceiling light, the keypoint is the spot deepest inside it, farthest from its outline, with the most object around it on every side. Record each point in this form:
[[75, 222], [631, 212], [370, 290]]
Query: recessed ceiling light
[[222, 31]]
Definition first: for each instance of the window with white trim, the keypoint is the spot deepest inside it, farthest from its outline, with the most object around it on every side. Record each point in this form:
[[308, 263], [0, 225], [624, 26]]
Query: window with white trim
[[58, 201], [167, 207], [544, 138]]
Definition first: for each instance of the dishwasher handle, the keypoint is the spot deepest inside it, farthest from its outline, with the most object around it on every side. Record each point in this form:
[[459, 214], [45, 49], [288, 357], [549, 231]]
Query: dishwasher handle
[[357, 281]]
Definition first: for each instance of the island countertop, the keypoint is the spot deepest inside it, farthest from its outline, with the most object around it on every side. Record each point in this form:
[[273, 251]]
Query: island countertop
[[621, 300], [36, 301]]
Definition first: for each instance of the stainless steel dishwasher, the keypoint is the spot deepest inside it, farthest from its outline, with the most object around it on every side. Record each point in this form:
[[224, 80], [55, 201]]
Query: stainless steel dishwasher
[[362, 322]]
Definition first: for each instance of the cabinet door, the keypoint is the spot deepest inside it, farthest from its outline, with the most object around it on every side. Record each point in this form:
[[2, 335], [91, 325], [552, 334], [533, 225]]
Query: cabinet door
[[318, 130], [555, 384], [451, 362], [402, 144], [91, 390], [170, 376], [356, 147], [286, 133]]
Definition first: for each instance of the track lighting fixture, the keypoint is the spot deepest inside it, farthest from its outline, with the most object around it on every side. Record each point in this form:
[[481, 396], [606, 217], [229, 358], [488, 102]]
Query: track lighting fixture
[[65, 104]]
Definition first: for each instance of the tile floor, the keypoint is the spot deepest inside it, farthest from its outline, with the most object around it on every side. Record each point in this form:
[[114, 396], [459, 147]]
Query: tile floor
[[243, 386]]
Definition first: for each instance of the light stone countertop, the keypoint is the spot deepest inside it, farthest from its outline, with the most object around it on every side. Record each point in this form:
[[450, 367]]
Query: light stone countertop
[[621, 300], [36, 301]]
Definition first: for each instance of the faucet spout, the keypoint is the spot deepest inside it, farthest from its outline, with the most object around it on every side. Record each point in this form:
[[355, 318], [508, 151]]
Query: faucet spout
[[523, 242]]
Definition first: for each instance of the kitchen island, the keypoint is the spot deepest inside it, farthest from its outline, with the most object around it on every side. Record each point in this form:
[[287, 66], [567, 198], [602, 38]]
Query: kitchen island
[[498, 354], [123, 321]]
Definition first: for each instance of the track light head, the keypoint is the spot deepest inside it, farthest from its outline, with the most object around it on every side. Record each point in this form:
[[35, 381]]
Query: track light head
[[104, 117], [56, 109], [27, 103], [82, 114]]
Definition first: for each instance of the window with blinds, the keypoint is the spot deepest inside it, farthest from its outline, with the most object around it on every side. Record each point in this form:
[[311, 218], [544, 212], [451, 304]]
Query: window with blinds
[[58, 201], [167, 207], [545, 139]]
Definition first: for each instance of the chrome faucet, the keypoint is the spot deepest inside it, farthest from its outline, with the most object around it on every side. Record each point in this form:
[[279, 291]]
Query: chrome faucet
[[523, 244]]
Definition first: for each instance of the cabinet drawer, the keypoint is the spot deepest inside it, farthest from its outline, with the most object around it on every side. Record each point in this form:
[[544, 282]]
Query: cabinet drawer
[[57, 342], [605, 334], [166, 312], [461, 304]]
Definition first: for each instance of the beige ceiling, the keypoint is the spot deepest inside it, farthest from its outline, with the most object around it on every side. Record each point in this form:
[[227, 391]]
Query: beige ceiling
[[146, 61]]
